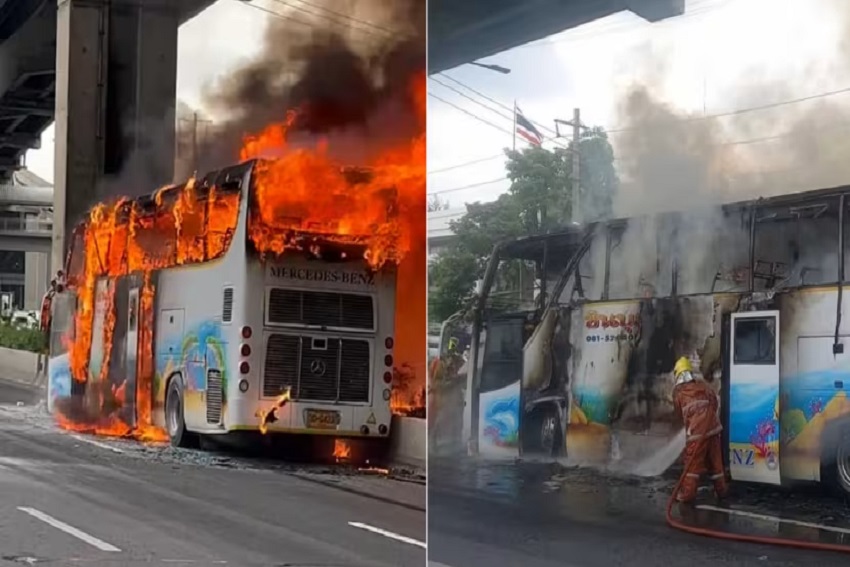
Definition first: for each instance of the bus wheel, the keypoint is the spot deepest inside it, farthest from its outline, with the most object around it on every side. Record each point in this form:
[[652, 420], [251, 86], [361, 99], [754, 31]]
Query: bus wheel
[[541, 432], [174, 421], [549, 433], [841, 479]]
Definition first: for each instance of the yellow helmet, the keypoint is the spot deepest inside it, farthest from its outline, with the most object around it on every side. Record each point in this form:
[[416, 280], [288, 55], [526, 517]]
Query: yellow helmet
[[682, 365]]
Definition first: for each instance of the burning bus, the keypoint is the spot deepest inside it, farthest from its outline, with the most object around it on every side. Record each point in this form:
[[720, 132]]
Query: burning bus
[[579, 364], [231, 303]]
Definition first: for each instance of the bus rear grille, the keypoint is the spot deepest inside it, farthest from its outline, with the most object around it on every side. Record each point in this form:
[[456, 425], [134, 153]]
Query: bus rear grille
[[215, 394], [320, 308], [327, 369]]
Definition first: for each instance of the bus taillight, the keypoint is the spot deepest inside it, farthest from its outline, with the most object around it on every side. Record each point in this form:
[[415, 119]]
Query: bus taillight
[[245, 350], [244, 368], [388, 360], [388, 377], [246, 332], [389, 343]]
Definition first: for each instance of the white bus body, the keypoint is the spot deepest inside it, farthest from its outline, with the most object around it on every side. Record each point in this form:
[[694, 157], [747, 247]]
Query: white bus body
[[236, 332]]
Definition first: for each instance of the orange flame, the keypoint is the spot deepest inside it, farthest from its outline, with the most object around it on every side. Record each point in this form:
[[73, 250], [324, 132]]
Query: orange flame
[[299, 193], [128, 237], [306, 190], [342, 450], [269, 416]]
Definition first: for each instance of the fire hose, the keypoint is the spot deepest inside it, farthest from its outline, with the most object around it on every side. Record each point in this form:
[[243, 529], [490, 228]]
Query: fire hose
[[719, 534]]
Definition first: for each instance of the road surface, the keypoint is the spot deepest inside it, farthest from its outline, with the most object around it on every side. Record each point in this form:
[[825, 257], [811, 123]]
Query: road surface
[[73, 500], [537, 516], [14, 393]]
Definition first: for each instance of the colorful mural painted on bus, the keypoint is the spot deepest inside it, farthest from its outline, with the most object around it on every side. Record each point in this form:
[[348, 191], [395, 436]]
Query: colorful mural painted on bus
[[499, 421], [58, 379], [806, 410], [192, 353], [754, 431]]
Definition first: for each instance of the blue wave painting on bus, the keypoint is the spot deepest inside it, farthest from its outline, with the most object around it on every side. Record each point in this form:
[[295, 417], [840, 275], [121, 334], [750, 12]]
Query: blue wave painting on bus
[[59, 378], [754, 425], [501, 421]]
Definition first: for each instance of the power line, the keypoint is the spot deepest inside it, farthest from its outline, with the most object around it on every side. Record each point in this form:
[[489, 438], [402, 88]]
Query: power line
[[741, 110], [478, 102], [510, 117], [470, 186], [278, 15], [345, 16], [465, 164], [297, 8], [472, 114], [494, 101]]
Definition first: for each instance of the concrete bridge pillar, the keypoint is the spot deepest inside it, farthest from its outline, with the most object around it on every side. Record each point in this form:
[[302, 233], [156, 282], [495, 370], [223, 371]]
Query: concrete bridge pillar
[[116, 86]]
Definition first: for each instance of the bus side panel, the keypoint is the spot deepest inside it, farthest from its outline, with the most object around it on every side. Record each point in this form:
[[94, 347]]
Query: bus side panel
[[59, 377], [814, 382], [248, 301], [620, 367], [191, 340]]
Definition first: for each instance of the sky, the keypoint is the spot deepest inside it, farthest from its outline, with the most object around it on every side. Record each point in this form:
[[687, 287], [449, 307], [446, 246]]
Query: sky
[[695, 63], [220, 38]]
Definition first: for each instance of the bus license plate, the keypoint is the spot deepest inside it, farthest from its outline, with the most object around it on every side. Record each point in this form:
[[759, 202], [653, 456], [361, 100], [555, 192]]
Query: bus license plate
[[322, 419]]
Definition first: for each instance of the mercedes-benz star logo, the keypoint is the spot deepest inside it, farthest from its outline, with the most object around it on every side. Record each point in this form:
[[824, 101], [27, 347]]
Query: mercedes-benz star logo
[[318, 368]]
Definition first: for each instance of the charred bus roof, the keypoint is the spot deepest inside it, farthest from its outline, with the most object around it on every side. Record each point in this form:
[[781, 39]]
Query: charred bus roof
[[562, 243]]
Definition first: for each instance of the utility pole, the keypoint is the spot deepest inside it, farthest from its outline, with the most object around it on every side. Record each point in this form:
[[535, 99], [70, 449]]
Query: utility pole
[[576, 169], [195, 142], [196, 121]]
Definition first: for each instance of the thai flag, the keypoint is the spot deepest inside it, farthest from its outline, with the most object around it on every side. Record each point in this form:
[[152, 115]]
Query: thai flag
[[526, 129]]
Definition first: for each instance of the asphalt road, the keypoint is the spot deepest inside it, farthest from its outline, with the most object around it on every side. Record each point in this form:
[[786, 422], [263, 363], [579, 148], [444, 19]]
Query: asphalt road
[[70, 500], [504, 516], [12, 393]]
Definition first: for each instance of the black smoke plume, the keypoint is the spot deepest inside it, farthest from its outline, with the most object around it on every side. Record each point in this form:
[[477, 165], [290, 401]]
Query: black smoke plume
[[346, 68]]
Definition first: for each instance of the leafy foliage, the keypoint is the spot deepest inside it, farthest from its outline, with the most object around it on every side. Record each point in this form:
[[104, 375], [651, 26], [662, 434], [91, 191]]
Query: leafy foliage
[[538, 201], [22, 338]]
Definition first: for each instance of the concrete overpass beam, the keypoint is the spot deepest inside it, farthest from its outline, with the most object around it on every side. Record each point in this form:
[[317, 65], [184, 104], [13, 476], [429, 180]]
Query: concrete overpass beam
[[141, 94], [116, 86], [656, 10]]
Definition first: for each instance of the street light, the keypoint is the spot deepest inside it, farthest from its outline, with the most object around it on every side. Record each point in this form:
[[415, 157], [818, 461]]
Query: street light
[[496, 68]]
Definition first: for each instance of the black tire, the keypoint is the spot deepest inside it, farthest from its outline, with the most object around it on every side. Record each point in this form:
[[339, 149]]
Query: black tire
[[175, 425], [541, 432], [835, 471], [550, 433]]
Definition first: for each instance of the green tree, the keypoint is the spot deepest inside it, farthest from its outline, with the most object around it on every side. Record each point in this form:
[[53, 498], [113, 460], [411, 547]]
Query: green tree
[[539, 200], [436, 203]]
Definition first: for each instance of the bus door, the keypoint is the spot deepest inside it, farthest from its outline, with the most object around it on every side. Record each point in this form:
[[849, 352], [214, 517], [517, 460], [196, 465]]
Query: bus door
[[500, 391], [131, 348], [754, 397]]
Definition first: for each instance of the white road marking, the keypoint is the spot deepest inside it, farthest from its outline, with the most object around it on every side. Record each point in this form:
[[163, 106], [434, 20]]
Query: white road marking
[[96, 443], [388, 534], [70, 530], [766, 518], [204, 561], [435, 564]]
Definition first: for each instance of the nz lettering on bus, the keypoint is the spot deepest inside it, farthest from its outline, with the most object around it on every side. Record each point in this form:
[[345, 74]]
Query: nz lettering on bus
[[743, 457], [605, 328], [328, 276]]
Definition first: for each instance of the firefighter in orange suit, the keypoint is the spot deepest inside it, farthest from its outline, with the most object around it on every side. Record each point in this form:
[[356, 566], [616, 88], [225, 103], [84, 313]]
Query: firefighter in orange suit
[[697, 404]]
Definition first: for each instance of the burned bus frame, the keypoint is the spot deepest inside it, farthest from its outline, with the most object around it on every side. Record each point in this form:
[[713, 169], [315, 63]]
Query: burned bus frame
[[572, 243]]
